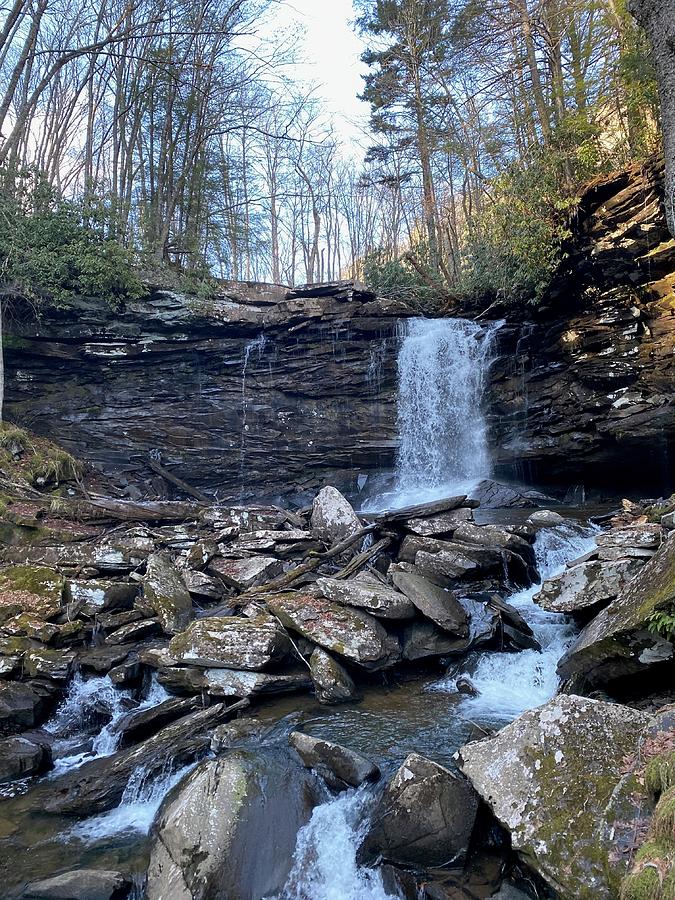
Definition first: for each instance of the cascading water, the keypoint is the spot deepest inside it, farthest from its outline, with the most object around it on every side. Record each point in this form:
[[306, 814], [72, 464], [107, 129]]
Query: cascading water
[[325, 861], [443, 448], [510, 683], [257, 346]]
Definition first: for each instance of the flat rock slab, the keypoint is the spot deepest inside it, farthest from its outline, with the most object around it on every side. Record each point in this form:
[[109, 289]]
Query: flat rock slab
[[618, 642], [230, 683], [20, 757], [83, 884], [368, 593], [440, 524], [348, 632], [338, 765], [555, 779], [424, 510], [243, 574], [32, 589], [235, 642], [434, 602], [586, 585], [424, 817]]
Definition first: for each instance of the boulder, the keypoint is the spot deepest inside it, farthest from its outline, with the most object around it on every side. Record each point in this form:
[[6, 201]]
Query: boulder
[[586, 585], [82, 884], [201, 585], [332, 682], [367, 592], [647, 536], [333, 517], [424, 639], [424, 510], [339, 766], [139, 724], [618, 641], [236, 642], [165, 592], [134, 631], [344, 630], [424, 817], [555, 779], [493, 495], [22, 705], [20, 757], [434, 602], [243, 574], [544, 518], [230, 828]]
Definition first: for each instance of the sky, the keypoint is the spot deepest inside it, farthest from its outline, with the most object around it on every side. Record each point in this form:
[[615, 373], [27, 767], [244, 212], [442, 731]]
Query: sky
[[330, 50]]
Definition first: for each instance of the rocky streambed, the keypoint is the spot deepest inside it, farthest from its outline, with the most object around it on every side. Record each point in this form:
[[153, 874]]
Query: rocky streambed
[[214, 701]]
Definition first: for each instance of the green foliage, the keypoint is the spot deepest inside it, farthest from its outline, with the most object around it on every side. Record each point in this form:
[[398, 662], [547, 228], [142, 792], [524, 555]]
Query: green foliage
[[56, 249], [398, 280], [662, 622], [515, 242]]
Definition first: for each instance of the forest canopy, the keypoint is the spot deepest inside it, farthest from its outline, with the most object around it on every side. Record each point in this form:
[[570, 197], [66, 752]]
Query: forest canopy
[[138, 137]]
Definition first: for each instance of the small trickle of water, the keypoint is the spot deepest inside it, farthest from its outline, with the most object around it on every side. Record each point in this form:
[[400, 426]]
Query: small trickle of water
[[510, 683], [443, 448], [137, 809], [324, 862], [257, 346]]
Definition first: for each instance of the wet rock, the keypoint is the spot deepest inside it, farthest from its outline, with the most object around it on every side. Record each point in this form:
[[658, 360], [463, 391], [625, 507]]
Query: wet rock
[[243, 574], [181, 679], [333, 517], [44, 662], [127, 673], [544, 518], [82, 884], [368, 593], [22, 705], [449, 559], [230, 829], [101, 659], [137, 725], [465, 685], [617, 642], [135, 631], [586, 585], [423, 639], [493, 495], [434, 602], [236, 734], [425, 816], [20, 757], [165, 591], [484, 619], [235, 642], [98, 785], [343, 630], [424, 510], [97, 595], [339, 766], [332, 682], [555, 779]]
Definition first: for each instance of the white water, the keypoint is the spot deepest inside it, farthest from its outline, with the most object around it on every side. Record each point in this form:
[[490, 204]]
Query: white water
[[510, 683], [72, 721], [324, 862], [137, 809], [443, 450]]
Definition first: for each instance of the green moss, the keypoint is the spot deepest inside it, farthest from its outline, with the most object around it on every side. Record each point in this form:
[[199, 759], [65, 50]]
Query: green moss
[[643, 884], [660, 772], [663, 823]]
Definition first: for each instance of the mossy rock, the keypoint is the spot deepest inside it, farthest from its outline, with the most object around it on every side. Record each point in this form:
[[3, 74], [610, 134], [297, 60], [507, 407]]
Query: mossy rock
[[618, 641], [37, 590]]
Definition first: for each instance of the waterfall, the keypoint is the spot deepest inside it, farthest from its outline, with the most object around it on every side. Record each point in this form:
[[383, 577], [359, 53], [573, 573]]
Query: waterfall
[[443, 448], [257, 346]]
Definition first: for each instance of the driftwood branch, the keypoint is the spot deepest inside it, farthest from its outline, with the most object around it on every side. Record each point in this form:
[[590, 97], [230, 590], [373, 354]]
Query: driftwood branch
[[176, 481], [360, 560], [316, 559]]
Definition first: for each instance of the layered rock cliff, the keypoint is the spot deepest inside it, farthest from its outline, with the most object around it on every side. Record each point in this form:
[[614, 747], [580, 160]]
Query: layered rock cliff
[[262, 391], [582, 389]]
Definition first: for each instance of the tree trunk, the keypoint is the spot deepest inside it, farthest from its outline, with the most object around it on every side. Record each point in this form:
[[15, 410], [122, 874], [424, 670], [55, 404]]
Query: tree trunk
[[657, 17]]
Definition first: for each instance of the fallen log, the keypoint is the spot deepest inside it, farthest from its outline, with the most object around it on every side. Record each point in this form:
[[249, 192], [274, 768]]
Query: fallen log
[[176, 481]]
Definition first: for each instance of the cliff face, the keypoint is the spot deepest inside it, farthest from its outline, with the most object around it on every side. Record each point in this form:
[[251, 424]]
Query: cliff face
[[263, 392], [583, 392]]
